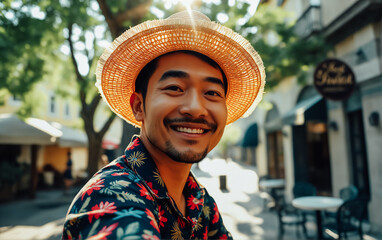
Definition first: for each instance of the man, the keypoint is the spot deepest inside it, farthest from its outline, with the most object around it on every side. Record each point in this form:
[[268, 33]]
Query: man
[[181, 79]]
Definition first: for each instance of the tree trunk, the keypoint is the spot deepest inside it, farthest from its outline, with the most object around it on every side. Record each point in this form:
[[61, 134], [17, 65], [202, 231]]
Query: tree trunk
[[95, 152], [33, 182]]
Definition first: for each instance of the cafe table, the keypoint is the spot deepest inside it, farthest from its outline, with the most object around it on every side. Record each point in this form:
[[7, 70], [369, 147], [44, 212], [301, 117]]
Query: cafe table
[[317, 204], [272, 183]]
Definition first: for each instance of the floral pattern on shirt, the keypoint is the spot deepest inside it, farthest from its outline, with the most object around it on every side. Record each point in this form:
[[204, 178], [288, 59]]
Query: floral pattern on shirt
[[128, 199]]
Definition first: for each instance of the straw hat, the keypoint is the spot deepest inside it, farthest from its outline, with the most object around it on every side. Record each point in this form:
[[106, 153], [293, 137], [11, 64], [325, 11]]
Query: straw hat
[[121, 63]]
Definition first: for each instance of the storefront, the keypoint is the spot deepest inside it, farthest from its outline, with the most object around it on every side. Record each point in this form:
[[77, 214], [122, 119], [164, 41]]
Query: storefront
[[310, 140]]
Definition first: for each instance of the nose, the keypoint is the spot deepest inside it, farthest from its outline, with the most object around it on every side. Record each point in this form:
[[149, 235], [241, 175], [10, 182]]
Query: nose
[[193, 105]]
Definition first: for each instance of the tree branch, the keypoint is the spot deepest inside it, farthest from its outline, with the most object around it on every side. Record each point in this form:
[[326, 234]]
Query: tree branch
[[107, 125], [91, 58], [94, 103], [83, 99], [113, 27], [137, 12], [74, 61]]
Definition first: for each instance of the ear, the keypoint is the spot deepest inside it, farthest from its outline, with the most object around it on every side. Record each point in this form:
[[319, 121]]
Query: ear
[[136, 103]]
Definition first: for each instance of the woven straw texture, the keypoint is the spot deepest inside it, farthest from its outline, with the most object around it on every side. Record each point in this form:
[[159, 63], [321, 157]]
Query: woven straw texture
[[121, 63]]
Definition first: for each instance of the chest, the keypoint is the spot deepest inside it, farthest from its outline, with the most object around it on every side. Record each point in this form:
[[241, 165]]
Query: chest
[[174, 225]]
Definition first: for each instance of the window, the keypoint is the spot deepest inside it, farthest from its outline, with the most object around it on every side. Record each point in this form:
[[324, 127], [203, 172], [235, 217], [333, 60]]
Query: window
[[52, 105], [67, 110]]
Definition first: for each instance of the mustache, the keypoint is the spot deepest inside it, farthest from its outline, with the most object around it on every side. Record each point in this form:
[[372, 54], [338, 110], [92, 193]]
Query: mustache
[[212, 126]]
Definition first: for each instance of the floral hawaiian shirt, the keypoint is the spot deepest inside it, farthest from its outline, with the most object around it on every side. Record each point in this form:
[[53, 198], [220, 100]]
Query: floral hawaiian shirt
[[128, 199]]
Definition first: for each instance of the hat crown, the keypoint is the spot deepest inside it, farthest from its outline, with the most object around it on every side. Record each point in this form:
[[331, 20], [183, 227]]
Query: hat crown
[[192, 15]]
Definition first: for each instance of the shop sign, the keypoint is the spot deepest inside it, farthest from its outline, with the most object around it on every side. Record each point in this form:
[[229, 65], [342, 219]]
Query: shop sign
[[334, 79]]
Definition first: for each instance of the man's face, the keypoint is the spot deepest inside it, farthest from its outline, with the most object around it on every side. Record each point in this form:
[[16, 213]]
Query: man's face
[[185, 108]]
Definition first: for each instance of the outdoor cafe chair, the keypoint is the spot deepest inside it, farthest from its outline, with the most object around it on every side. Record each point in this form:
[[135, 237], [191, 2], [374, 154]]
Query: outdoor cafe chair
[[289, 215], [347, 193], [303, 189], [349, 217]]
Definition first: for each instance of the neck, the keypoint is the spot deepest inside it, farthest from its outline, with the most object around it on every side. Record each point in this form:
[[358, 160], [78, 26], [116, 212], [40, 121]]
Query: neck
[[174, 174]]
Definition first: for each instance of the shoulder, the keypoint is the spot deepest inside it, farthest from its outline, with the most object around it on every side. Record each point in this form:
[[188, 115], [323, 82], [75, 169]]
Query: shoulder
[[115, 186], [113, 195]]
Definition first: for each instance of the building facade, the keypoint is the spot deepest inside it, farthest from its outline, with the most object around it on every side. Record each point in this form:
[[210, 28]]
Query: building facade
[[332, 144]]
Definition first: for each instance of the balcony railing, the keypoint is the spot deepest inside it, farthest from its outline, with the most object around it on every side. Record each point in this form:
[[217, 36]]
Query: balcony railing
[[309, 22]]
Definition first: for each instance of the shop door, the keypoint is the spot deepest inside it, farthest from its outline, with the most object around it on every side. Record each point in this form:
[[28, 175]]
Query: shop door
[[311, 156], [275, 155], [358, 153], [318, 157]]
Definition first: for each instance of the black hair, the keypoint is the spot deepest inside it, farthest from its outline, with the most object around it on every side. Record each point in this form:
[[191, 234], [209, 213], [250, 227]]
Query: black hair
[[144, 75]]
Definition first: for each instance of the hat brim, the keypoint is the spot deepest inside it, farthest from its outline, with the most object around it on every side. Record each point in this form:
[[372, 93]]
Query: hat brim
[[120, 64]]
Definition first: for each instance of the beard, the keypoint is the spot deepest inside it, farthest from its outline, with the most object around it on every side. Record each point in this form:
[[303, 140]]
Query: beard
[[184, 157], [177, 156]]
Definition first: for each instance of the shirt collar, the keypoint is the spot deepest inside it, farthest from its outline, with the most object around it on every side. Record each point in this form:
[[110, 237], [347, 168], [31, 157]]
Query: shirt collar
[[140, 161]]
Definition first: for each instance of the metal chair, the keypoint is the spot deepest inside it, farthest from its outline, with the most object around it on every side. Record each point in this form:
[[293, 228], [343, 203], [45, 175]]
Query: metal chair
[[302, 189], [289, 215], [349, 218], [348, 193]]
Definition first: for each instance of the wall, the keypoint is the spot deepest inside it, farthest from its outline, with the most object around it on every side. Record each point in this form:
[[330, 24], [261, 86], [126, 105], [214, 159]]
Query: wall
[[80, 161], [368, 76], [332, 9], [284, 96], [338, 148], [56, 156], [372, 99], [363, 40]]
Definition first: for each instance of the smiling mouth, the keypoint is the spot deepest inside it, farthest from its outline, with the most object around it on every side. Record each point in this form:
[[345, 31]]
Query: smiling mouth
[[190, 126], [189, 130]]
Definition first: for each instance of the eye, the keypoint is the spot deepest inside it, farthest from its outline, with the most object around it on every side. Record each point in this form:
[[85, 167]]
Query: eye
[[213, 93], [173, 88]]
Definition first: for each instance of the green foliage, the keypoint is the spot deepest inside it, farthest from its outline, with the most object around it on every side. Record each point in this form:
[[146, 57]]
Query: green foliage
[[22, 62], [32, 103], [283, 52], [27, 42], [271, 33]]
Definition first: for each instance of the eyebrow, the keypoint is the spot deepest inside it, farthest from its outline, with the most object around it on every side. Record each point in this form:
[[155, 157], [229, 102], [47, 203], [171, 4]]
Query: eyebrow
[[215, 80], [182, 74], [174, 74]]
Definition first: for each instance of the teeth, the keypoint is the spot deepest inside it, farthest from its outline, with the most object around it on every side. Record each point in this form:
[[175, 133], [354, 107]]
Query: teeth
[[189, 130]]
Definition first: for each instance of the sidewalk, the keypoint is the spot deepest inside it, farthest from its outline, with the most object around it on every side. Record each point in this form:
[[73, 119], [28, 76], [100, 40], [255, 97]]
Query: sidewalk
[[242, 207], [40, 218]]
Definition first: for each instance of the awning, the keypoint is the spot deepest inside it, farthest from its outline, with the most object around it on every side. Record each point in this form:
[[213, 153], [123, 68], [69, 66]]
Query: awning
[[251, 136], [37, 131], [312, 109], [33, 131], [71, 137]]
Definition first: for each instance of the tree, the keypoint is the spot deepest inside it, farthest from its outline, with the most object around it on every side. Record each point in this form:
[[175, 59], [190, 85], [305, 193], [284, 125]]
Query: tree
[[119, 15], [21, 41], [24, 47], [271, 32]]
